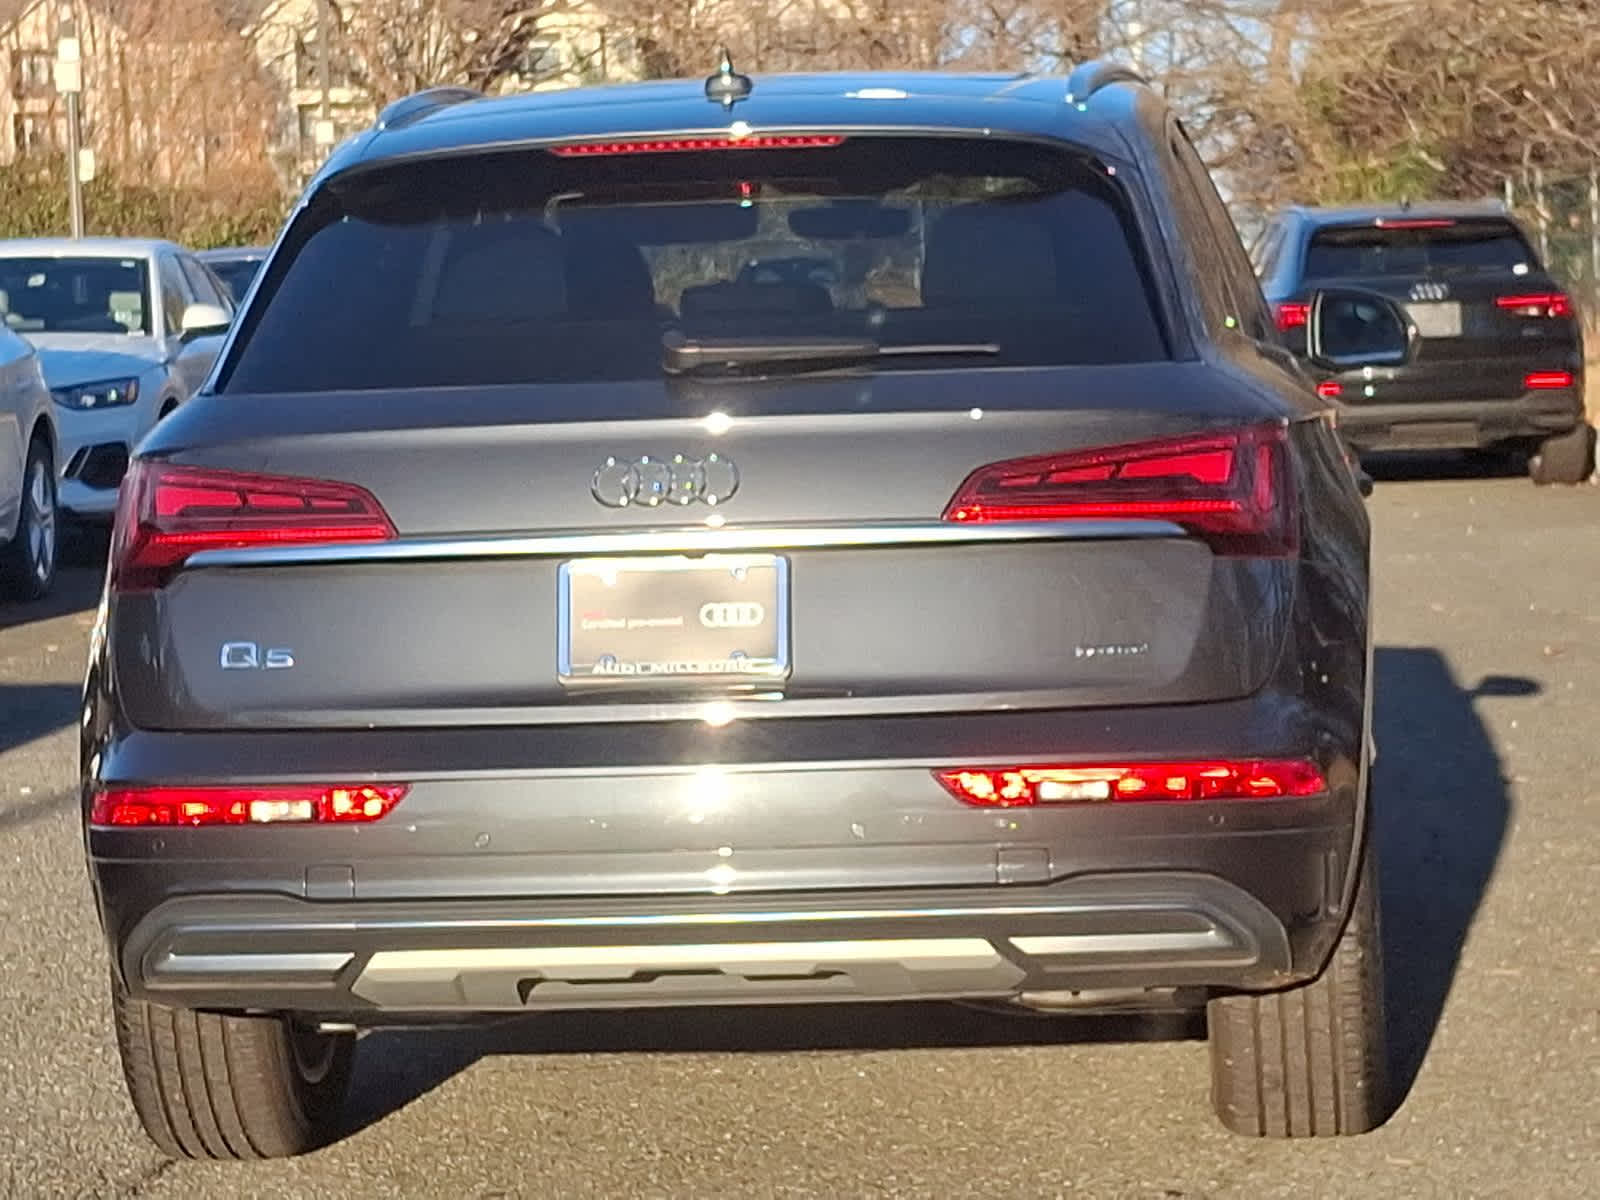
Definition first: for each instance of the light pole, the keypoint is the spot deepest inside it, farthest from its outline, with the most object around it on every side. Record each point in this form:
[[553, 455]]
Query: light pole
[[324, 126], [69, 83]]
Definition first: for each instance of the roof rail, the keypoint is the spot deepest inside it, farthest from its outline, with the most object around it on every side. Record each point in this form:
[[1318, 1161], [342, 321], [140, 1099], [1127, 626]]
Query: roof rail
[[1088, 78], [412, 108]]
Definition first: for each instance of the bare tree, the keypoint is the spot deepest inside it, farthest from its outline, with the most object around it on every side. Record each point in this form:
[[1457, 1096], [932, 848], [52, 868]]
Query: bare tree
[[401, 46], [176, 93]]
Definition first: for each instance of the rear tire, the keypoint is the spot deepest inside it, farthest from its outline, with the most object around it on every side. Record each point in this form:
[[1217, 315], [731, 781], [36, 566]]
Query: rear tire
[[28, 561], [1309, 1061], [219, 1087], [1568, 458]]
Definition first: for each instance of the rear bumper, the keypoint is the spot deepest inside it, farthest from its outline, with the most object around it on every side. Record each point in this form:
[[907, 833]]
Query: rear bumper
[[1447, 424], [380, 963]]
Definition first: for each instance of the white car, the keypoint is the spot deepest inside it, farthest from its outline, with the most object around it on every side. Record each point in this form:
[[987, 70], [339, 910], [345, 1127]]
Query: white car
[[27, 474], [126, 331]]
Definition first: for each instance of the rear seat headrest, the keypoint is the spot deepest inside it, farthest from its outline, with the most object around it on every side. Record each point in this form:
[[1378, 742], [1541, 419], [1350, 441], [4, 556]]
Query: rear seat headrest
[[985, 252]]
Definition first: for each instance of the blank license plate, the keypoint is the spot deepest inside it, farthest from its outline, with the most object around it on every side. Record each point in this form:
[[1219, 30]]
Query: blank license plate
[[674, 620], [1436, 320]]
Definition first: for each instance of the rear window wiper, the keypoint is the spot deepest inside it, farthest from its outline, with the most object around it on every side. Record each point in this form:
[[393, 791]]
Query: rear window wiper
[[685, 356]]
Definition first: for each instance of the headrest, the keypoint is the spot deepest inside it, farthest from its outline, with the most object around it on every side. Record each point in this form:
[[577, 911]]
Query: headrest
[[989, 252], [721, 301], [607, 279], [501, 272]]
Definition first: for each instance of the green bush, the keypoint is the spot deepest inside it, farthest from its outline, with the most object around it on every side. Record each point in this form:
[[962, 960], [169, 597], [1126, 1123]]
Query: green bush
[[33, 203]]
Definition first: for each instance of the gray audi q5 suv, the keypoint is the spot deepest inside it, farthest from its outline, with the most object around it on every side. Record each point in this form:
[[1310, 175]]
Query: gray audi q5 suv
[[536, 610]]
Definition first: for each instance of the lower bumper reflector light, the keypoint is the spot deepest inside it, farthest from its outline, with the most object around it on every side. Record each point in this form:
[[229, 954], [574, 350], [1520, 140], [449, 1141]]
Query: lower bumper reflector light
[[1095, 783], [301, 804]]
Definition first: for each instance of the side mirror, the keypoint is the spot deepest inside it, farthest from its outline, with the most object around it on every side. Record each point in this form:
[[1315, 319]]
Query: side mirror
[[1349, 328], [204, 320]]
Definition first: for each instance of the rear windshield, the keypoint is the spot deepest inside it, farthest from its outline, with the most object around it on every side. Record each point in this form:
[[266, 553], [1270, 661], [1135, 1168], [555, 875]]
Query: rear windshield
[[75, 295], [1457, 247], [534, 267]]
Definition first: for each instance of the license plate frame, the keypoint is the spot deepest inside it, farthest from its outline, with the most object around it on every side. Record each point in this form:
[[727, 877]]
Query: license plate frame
[[1436, 318], [711, 652]]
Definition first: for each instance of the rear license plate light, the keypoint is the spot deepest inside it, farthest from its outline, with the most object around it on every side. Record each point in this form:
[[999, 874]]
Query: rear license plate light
[[677, 621]]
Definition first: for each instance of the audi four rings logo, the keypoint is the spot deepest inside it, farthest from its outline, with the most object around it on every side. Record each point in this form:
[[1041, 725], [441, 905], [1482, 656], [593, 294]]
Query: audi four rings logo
[[655, 481], [732, 615], [1429, 291]]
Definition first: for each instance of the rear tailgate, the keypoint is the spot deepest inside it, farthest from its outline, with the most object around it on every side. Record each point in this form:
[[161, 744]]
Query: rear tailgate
[[881, 606], [482, 347]]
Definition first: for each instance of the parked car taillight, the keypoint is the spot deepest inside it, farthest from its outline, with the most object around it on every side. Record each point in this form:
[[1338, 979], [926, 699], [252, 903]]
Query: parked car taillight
[[1293, 315], [1540, 304]]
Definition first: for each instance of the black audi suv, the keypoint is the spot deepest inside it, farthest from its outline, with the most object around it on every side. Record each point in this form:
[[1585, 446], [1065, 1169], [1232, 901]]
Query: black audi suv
[[538, 611], [1499, 366]]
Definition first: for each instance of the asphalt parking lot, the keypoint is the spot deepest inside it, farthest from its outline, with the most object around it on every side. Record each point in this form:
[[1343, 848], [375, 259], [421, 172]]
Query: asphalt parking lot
[[1489, 801]]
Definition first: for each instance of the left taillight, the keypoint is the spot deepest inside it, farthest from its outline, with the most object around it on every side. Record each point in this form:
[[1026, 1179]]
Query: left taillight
[[165, 513], [291, 804], [1231, 488], [1293, 315]]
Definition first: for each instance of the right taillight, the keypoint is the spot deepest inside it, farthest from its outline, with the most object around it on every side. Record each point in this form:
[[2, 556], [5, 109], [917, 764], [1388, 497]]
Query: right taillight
[[166, 513], [1537, 304], [1230, 488], [1027, 786]]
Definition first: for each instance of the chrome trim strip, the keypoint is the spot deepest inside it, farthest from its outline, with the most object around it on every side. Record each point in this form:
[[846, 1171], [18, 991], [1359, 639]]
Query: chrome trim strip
[[688, 541], [180, 965], [1122, 943], [1022, 908], [585, 962]]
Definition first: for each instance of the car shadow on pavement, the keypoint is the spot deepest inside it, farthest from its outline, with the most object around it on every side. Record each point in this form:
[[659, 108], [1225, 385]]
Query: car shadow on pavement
[[395, 1068], [75, 591], [1397, 466], [32, 710], [1442, 811]]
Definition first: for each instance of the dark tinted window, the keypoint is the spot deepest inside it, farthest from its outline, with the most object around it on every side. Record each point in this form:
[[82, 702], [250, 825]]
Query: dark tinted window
[[235, 273], [1459, 246], [75, 295], [530, 267]]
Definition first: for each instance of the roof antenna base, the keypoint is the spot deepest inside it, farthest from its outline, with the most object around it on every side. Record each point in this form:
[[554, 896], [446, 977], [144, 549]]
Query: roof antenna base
[[727, 87]]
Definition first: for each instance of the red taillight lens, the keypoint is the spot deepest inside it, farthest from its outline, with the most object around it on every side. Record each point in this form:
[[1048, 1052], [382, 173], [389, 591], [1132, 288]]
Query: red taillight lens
[[1536, 381], [1230, 488], [1330, 389], [166, 513], [775, 141], [1537, 304], [288, 804], [1293, 316], [1026, 786]]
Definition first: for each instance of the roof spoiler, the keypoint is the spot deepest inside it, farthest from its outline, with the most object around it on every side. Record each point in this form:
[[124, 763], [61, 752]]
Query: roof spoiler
[[1088, 78], [410, 109]]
